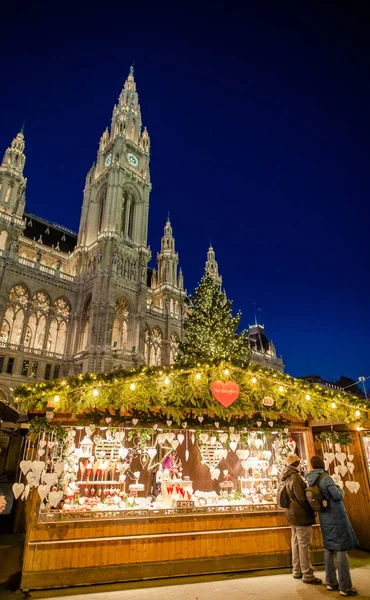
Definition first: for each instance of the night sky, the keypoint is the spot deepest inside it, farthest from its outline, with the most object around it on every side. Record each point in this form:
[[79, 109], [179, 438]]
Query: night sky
[[259, 125]]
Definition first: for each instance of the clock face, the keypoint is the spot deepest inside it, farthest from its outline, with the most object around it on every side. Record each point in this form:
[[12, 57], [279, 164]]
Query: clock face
[[108, 160], [132, 159]]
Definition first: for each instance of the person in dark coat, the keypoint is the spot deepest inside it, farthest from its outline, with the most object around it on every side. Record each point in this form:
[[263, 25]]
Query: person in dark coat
[[301, 518], [336, 529]]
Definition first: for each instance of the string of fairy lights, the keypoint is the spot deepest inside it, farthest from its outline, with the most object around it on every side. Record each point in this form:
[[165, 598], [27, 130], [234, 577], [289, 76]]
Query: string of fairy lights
[[97, 385]]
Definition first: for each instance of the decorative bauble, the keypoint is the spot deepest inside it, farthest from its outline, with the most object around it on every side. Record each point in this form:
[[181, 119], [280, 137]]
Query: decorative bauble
[[17, 489], [225, 393]]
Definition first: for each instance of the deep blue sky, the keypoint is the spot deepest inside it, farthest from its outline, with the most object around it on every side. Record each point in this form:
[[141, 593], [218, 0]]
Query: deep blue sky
[[259, 124]]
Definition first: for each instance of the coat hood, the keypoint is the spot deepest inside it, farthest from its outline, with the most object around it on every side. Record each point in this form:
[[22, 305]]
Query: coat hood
[[288, 471], [313, 476]]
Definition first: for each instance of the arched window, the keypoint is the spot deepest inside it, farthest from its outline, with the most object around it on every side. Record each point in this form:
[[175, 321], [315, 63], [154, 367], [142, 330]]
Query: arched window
[[174, 347], [156, 348], [62, 308], [147, 346], [8, 192], [120, 325], [57, 336], [101, 208], [85, 325], [12, 326], [19, 294], [128, 215], [5, 332]]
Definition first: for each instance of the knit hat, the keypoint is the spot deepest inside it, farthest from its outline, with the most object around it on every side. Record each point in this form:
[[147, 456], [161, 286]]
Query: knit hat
[[317, 462], [292, 459]]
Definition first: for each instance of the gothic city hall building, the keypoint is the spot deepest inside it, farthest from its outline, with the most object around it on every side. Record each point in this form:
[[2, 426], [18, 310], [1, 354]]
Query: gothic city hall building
[[89, 302]]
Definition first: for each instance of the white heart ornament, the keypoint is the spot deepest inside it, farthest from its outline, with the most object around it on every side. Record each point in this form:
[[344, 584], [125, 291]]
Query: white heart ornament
[[123, 452], [267, 454], [337, 448], [31, 479], [353, 486], [235, 437], [51, 444], [245, 464], [231, 429], [271, 423], [342, 470], [340, 456], [43, 491], [50, 478], [337, 480], [55, 498], [152, 452], [240, 454], [161, 438], [286, 430], [155, 426], [175, 444], [258, 423], [59, 467], [233, 446], [350, 457], [181, 437], [350, 467], [25, 466], [135, 421], [108, 420], [217, 424], [258, 443], [40, 451], [37, 467], [184, 424], [119, 436], [170, 437], [224, 437], [203, 437], [42, 443], [215, 473], [17, 489], [329, 457], [169, 423]]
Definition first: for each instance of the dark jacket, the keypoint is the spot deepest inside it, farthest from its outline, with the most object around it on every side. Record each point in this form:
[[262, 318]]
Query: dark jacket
[[299, 511], [336, 528]]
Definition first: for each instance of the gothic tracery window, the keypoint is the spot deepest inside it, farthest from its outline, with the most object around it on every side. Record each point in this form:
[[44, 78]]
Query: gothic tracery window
[[120, 325], [156, 348], [101, 208], [174, 347]]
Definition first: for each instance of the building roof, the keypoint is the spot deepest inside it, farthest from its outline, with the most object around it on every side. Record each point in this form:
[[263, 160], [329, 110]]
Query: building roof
[[50, 234]]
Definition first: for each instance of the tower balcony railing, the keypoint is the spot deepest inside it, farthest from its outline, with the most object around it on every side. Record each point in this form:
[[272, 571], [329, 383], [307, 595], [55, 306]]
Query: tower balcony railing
[[32, 264], [13, 219], [34, 351]]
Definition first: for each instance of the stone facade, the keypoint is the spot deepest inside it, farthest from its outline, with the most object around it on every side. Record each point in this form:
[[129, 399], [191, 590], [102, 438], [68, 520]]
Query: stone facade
[[70, 304]]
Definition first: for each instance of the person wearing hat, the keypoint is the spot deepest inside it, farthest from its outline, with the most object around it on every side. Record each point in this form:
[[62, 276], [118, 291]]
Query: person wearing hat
[[336, 530], [301, 518]]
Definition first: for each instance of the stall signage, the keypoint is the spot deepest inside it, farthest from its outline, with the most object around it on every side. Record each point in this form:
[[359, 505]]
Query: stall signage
[[268, 401], [225, 393]]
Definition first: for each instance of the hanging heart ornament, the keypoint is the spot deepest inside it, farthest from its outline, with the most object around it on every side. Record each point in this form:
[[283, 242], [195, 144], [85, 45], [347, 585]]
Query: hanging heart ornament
[[225, 393]]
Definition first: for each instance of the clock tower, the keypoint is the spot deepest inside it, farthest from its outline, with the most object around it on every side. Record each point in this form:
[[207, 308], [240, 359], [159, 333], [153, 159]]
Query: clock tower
[[112, 242]]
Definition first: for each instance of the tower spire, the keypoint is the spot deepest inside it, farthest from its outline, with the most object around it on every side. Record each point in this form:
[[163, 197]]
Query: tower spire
[[212, 265], [167, 258], [13, 185]]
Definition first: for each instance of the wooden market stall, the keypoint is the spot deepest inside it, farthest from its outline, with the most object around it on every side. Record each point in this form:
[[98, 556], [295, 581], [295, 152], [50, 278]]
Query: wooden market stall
[[158, 473]]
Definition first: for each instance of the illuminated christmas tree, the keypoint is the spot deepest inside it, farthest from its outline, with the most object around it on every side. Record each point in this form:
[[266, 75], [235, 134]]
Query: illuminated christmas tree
[[210, 328]]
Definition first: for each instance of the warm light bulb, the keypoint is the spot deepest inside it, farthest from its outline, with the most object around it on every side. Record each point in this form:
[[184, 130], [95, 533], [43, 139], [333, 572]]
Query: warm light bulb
[[166, 380], [333, 405], [226, 371], [95, 392], [132, 386], [161, 372], [63, 382], [281, 389], [254, 379], [56, 398], [308, 397], [357, 414], [198, 376]]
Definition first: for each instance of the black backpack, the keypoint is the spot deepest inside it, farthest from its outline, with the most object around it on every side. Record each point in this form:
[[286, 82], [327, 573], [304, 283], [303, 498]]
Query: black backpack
[[315, 497], [282, 496]]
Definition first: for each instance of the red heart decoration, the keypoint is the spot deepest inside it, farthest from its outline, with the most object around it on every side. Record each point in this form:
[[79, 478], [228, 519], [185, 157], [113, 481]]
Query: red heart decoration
[[225, 393]]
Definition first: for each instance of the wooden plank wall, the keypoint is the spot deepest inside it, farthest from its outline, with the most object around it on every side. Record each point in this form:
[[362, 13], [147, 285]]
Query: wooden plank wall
[[357, 505], [51, 547]]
